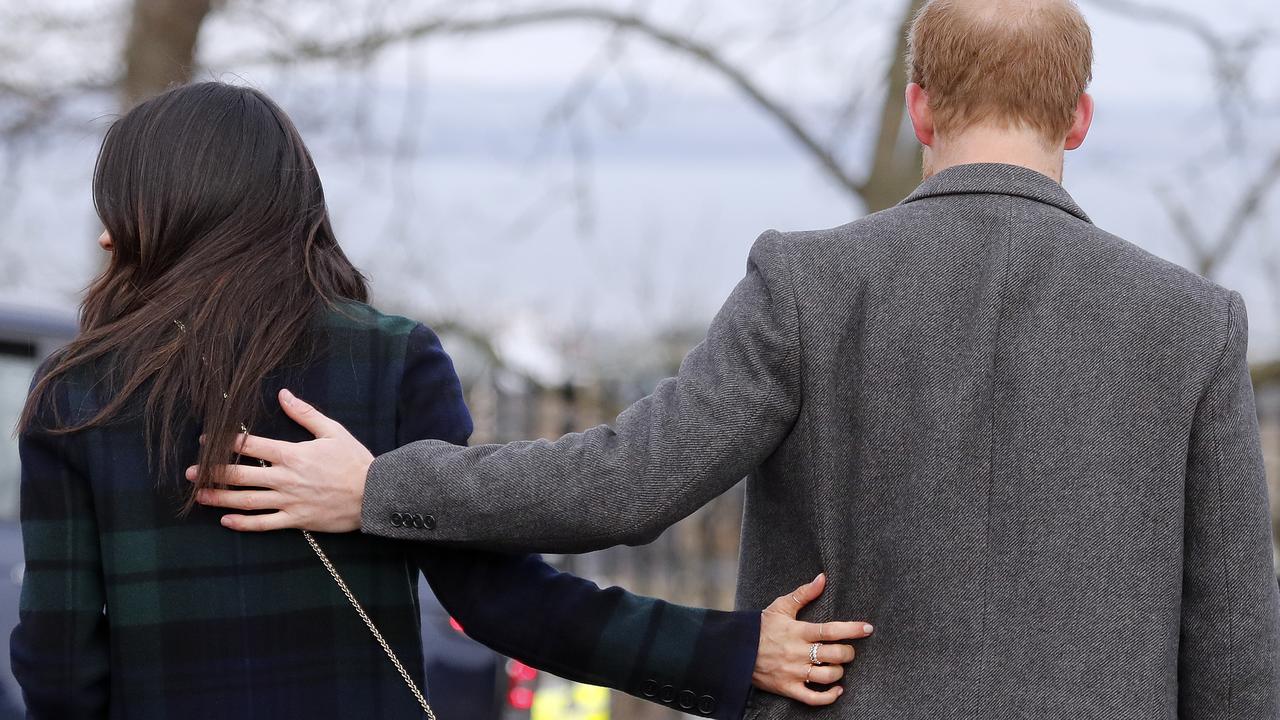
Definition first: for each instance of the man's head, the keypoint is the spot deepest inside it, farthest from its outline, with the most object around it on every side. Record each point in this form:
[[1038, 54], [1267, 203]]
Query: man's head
[[1000, 71]]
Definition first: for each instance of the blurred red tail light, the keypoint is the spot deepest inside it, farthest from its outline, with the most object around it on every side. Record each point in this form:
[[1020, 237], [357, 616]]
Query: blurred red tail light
[[520, 698], [520, 678], [521, 673]]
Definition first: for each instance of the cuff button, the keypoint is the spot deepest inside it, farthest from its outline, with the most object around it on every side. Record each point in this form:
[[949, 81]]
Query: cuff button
[[397, 520], [668, 694], [687, 700], [706, 704], [429, 522], [649, 688]]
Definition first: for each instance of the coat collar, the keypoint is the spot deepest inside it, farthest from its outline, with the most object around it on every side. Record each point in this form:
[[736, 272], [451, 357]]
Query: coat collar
[[998, 179]]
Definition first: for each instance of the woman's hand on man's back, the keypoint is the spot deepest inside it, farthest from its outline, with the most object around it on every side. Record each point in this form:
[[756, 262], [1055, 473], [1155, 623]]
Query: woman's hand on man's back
[[784, 663]]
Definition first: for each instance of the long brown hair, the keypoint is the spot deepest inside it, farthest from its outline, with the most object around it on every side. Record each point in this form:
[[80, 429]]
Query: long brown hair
[[223, 254]]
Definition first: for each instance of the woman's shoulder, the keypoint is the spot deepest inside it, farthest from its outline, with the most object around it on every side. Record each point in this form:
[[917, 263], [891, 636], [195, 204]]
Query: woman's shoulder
[[68, 399], [351, 317], [388, 361], [353, 329], [355, 316]]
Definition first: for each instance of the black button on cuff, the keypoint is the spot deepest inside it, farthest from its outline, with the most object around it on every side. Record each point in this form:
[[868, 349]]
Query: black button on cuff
[[649, 688], [417, 521], [668, 694], [429, 521], [706, 704], [397, 520], [687, 700]]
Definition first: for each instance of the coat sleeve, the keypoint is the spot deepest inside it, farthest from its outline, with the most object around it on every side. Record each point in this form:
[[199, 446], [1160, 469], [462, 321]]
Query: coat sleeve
[[736, 397], [59, 649], [699, 661], [1228, 663]]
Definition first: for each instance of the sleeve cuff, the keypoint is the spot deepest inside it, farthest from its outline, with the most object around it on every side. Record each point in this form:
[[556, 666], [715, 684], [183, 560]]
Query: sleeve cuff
[[394, 502], [716, 679], [745, 643]]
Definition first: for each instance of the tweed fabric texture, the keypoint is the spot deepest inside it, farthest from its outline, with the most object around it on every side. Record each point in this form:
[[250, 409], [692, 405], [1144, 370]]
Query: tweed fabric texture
[[1024, 448], [130, 611]]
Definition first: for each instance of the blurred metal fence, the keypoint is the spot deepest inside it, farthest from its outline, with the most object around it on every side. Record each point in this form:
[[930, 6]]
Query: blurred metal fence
[[693, 563]]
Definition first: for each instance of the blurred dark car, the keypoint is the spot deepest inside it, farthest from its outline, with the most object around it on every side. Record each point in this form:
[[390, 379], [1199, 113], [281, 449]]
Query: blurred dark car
[[465, 679]]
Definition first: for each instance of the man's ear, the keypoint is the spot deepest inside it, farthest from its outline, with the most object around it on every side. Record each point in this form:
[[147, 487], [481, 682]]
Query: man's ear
[[1083, 121], [921, 114]]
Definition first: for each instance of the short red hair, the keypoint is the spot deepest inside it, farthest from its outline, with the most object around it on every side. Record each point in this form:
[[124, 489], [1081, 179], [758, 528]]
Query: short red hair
[[1009, 62]]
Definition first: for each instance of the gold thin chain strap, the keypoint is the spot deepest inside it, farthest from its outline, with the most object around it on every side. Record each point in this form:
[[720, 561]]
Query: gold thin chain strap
[[364, 616], [386, 647]]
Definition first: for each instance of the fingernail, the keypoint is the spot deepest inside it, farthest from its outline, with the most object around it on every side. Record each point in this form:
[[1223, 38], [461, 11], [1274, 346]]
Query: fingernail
[[286, 397], [819, 577], [202, 439], [192, 473], [868, 628], [839, 690], [226, 523]]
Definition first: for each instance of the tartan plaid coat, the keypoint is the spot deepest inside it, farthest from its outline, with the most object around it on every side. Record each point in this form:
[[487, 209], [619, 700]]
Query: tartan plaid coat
[[130, 611]]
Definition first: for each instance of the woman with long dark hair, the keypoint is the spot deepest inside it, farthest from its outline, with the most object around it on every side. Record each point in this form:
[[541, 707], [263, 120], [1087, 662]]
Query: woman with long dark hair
[[225, 284]]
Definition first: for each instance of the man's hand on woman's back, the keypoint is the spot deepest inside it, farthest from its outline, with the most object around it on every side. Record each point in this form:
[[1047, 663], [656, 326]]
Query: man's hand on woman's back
[[316, 485]]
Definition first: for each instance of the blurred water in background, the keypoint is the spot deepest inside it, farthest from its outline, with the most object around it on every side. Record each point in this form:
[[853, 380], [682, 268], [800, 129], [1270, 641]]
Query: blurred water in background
[[473, 223]]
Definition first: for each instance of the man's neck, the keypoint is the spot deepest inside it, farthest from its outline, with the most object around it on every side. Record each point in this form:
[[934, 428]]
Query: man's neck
[[994, 145]]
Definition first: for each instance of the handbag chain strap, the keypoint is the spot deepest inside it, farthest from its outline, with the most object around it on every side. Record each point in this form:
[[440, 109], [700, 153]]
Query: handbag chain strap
[[386, 647], [364, 616]]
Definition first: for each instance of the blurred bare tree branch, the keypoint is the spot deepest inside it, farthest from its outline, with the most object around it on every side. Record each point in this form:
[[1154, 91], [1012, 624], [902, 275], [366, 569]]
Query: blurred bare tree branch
[[1231, 60], [1208, 251], [30, 93], [161, 47], [894, 163]]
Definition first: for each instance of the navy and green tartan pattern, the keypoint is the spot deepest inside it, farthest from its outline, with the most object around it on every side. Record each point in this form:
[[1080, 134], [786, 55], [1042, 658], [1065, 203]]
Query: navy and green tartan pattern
[[130, 611]]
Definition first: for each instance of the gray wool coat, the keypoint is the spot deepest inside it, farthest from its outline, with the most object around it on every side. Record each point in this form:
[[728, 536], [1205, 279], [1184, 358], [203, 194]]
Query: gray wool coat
[[1022, 447]]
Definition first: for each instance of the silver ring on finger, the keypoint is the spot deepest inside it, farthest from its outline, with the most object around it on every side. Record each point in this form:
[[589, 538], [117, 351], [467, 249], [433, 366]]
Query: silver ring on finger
[[813, 654]]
